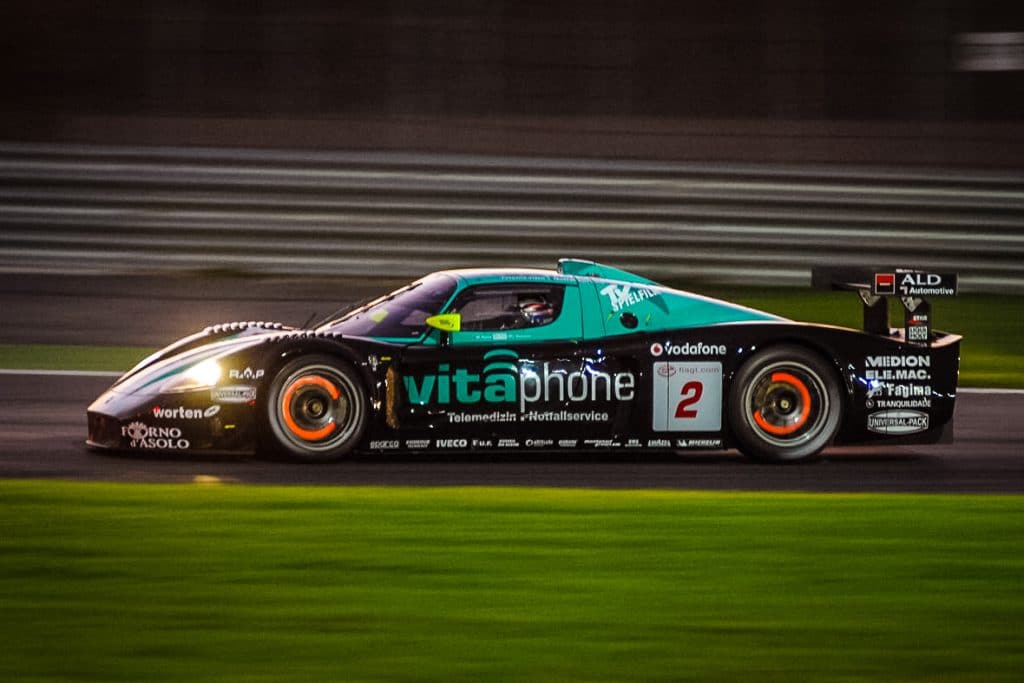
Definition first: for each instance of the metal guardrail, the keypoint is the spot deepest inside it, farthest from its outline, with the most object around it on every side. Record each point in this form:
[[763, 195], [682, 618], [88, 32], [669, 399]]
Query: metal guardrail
[[82, 209]]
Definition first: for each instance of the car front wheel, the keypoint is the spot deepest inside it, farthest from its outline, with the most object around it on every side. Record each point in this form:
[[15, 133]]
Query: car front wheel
[[317, 408]]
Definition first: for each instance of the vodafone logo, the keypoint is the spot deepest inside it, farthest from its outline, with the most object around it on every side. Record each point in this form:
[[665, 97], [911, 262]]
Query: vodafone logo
[[670, 348]]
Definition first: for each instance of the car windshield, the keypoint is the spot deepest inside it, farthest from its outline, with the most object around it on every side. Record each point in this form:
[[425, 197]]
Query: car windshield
[[402, 313]]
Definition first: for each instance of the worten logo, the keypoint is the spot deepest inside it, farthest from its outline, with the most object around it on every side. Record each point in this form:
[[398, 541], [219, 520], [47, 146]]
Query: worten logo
[[182, 413], [505, 380]]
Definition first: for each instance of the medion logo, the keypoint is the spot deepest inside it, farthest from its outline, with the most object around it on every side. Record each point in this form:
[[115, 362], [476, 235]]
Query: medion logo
[[897, 367], [505, 380]]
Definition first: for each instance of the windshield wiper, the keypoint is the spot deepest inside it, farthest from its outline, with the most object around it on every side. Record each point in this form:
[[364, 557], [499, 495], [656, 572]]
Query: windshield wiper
[[338, 315], [347, 308]]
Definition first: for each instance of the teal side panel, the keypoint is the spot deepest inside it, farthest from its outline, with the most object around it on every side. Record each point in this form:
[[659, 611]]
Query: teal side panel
[[592, 314], [582, 268], [626, 308]]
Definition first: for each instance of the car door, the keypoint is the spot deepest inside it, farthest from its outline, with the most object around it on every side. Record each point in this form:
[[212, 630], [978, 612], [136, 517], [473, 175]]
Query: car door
[[681, 375], [512, 374]]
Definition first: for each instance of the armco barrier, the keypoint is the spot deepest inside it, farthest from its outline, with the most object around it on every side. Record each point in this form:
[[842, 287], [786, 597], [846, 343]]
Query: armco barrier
[[129, 209]]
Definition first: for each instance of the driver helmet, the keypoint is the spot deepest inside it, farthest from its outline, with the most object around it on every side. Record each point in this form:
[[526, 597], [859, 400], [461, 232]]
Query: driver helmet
[[536, 311]]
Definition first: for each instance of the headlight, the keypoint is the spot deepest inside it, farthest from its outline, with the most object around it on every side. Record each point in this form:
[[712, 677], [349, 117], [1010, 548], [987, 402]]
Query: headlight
[[202, 375]]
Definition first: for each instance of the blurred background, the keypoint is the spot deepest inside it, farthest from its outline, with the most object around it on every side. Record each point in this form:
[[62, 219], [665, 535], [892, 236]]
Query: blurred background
[[708, 142]]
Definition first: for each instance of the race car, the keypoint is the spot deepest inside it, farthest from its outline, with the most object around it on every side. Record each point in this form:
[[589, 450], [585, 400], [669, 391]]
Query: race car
[[585, 356]]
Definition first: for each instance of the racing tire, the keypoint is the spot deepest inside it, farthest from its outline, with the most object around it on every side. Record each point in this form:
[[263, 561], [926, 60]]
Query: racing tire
[[317, 409], [784, 405]]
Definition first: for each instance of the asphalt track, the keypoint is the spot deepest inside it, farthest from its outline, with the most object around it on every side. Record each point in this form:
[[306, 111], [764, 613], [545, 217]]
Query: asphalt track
[[42, 417], [42, 423]]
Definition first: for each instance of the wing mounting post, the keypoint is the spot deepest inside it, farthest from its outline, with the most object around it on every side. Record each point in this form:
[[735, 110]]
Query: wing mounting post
[[876, 312], [873, 285]]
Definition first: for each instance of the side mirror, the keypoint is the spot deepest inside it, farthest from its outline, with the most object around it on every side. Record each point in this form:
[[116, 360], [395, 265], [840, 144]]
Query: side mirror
[[446, 322]]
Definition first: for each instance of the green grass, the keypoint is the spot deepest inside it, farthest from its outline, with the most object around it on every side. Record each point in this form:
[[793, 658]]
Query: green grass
[[56, 357], [993, 327], [102, 582]]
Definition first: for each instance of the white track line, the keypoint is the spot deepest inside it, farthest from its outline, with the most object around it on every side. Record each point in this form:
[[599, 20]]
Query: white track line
[[98, 373], [971, 390], [60, 373]]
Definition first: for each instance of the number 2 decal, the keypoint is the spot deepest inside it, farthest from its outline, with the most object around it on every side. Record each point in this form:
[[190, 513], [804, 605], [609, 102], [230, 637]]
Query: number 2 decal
[[691, 393], [686, 396]]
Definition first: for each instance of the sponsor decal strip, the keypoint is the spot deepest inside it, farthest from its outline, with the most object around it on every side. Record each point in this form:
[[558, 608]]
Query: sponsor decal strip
[[551, 443], [105, 373]]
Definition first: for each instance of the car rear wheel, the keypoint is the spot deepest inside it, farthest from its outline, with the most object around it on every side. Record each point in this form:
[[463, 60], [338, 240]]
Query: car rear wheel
[[317, 408], [784, 405]]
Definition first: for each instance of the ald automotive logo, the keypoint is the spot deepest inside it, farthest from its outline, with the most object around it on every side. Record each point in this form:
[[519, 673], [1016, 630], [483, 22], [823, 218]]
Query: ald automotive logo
[[506, 379]]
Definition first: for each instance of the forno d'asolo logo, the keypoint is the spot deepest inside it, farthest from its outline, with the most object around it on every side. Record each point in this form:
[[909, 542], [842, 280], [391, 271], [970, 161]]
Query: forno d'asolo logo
[[506, 379], [141, 435]]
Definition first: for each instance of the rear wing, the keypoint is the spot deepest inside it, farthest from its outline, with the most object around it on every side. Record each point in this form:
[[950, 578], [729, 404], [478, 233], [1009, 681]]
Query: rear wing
[[874, 285]]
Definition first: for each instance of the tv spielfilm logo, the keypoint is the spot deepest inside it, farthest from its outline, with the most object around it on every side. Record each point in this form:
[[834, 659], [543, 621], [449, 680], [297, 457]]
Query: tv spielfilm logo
[[622, 296]]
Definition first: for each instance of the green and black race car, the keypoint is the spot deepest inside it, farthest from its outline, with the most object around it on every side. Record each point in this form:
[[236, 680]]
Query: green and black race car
[[585, 356]]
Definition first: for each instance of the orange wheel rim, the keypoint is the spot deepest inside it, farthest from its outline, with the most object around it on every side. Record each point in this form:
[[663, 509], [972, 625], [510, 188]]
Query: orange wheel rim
[[805, 406], [286, 413]]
